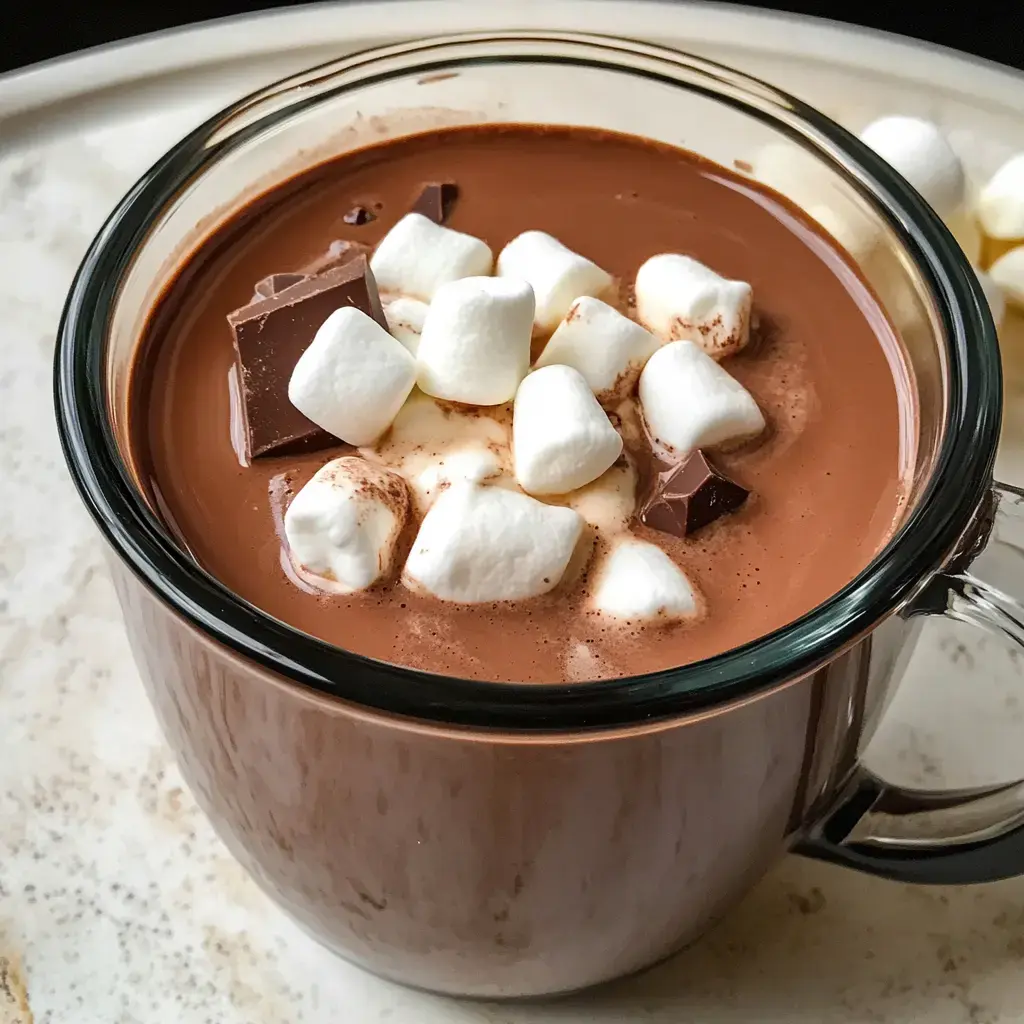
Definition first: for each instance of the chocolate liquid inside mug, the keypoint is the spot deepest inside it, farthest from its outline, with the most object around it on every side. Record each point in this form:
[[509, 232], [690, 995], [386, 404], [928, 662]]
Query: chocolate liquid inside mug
[[505, 840]]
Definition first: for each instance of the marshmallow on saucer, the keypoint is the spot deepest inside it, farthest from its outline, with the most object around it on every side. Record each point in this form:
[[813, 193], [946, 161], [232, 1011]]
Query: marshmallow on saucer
[[690, 402], [1001, 201], [561, 437], [480, 544], [606, 347], [342, 527], [804, 180], [919, 151], [677, 297], [353, 378], [405, 319], [638, 581], [417, 256], [557, 274], [994, 295], [475, 345], [1007, 273]]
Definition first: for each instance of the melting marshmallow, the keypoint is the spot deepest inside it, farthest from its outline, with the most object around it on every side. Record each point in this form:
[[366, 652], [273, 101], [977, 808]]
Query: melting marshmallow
[[690, 402], [433, 445], [561, 437], [1007, 273], [919, 151], [417, 256], [679, 298], [475, 345], [342, 527], [353, 378], [607, 348], [609, 502], [405, 319], [480, 544], [472, 464], [638, 581], [1001, 201], [557, 274]]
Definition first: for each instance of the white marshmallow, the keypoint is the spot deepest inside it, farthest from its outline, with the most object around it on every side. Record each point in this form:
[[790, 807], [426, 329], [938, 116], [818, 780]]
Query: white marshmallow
[[1001, 201], [677, 297], [417, 256], [1007, 273], [606, 347], [405, 319], [353, 378], [561, 437], [479, 544], [557, 274], [475, 345], [639, 581], [690, 402], [919, 151], [994, 295], [342, 527]]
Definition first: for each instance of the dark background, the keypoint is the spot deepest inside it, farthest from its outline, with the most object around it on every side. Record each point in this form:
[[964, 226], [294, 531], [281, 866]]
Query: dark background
[[38, 31]]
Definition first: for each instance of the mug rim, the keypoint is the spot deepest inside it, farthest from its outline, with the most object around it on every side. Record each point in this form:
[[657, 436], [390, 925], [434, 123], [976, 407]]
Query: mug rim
[[960, 477]]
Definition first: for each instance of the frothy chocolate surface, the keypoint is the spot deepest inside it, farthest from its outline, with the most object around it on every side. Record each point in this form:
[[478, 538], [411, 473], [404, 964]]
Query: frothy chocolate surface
[[824, 366]]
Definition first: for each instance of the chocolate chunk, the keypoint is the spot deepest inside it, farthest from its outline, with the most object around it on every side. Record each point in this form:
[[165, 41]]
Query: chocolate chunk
[[271, 335], [436, 200], [359, 215], [339, 252], [275, 283], [689, 496]]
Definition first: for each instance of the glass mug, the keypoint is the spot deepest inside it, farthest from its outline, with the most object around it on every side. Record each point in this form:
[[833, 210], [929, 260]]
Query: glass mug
[[508, 840]]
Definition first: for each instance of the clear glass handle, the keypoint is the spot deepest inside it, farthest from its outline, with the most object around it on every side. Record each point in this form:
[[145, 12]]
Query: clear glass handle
[[953, 836]]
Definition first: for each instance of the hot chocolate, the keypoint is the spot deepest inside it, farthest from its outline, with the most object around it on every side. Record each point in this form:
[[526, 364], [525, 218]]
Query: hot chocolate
[[736, 522]]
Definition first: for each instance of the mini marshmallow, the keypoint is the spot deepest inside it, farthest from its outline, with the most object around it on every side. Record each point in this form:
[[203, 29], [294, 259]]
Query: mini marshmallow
[[677, 297], [480, 544], [417, 256], [405, 319], [638, 581], [557, 274], [606, 347], [1007, 273], [690, 402], [919, 151], [994, 295], [353, 378], [475, 345], [1001, 201], [561, 437], [342, 527]]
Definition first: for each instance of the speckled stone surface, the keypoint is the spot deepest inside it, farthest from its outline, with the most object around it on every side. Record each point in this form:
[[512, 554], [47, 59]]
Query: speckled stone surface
[[124, 906]]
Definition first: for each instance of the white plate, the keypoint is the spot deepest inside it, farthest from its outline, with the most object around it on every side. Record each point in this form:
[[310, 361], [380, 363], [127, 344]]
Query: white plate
[[113, 888]]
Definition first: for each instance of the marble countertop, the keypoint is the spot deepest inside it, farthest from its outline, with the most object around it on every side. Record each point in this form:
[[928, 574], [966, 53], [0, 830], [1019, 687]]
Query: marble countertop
[[123, 905]]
